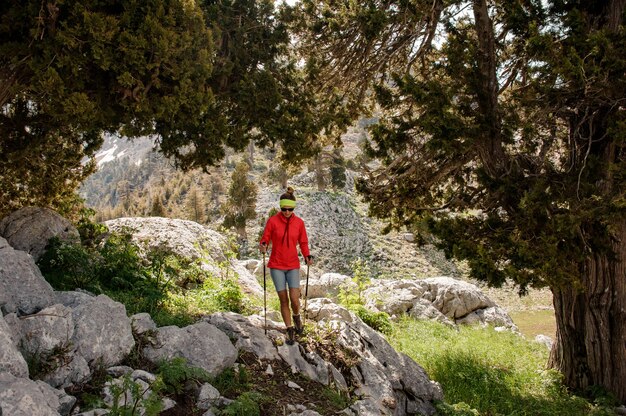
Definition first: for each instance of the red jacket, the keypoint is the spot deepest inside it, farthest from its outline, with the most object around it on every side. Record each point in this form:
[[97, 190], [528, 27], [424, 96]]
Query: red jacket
[[284, 233]]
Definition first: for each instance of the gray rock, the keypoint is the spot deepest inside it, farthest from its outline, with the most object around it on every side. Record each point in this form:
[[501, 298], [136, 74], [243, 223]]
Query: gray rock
[[102, 332], [119, 371], [385, 378], [544, 340], [142, 323], [24, 397], [395, 297], [189, 240], [207, 397], [328, 285], [424, 310], [70, 369], [51, 328], [11, 361], [316, 370], [73, 299], [494, 316], [202, 344], [29, 229], [248, 333], [22, 287], [455, 298]]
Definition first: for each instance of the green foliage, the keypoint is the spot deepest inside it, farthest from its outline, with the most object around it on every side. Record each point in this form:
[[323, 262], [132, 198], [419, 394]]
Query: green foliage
[[176, 373], [69, 266], [174, 291], [131, 399], [232, 381], [484, 372], [361, 275], [247, 404], [230, 297], [72, 71], [354, 300], [241, 205], [377, 320]]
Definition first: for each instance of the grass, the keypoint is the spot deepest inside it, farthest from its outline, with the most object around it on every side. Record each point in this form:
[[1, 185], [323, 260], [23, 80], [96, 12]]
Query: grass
[[533, 323], [488, 373]]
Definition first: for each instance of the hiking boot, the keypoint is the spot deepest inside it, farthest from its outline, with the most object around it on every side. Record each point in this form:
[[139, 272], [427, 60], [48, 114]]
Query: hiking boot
[[291, 335], [298, 324]]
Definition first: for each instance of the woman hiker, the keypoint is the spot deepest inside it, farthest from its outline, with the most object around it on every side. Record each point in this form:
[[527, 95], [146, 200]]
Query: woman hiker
[[284, 231]]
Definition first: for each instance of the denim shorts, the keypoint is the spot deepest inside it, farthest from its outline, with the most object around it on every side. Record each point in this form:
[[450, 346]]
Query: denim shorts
[[282, 278]]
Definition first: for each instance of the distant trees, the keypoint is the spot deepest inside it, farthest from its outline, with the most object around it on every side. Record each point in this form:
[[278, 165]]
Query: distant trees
[[241, 204], [505, 137]]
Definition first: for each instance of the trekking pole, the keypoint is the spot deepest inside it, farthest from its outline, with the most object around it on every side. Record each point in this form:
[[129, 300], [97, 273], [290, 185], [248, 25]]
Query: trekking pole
[[306, 291], [264, 296]]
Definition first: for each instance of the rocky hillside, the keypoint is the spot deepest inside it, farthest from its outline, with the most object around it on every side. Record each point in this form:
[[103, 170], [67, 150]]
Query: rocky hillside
[[131, 177], [56, 346]]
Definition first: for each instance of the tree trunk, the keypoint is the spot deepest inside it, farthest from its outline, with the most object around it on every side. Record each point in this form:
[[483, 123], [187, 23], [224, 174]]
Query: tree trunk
[[590, 347]]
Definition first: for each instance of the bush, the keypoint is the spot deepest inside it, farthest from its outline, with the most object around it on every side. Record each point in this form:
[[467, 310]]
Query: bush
[[246, 404], [376, 320]]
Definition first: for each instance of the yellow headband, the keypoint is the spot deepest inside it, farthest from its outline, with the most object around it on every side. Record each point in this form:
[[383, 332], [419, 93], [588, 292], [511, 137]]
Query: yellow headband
[[287, 203]]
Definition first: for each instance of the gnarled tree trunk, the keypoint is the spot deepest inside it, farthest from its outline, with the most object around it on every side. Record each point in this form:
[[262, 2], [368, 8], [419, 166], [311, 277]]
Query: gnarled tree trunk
[[590, 347]]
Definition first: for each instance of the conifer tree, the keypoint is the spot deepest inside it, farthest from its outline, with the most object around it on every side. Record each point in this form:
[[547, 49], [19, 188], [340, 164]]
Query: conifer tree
[[505, 137], [241, 204]]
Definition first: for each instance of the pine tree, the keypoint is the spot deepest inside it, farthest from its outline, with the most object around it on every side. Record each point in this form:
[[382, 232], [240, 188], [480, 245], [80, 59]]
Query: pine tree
[[506, 139], [241, 204]]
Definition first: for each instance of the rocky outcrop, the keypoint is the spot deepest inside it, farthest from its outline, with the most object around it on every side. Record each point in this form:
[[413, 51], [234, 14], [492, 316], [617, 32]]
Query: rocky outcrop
[[23, 289], [29, 229], [202, 344], [385, 382], [188, 240]]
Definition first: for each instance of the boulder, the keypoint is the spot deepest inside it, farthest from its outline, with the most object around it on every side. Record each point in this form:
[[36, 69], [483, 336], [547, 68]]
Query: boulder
[[102, 331], [46, 337], [494, 316], [73, 299], [248, 333], [188, 240], [142, 323], [24, 397], [328, 285], [455, 298], [202, 344], [22, 287], [29, 229], [395, 297], [11, 360]]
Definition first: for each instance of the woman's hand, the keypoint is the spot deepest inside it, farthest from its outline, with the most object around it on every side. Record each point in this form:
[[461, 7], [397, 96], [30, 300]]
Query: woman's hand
[[309, 260], [263, 248]]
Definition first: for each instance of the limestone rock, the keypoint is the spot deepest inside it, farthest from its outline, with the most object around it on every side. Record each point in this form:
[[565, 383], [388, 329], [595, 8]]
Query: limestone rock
[[29, 229], [248, 336], [189, 240], [22, 287], [202, 344], [455, 298], [11, 361], [102, 331], [142, 323], [328, 285], [24, 397]]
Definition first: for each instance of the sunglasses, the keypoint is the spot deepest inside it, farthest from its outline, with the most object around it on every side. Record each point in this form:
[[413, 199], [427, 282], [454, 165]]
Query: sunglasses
[[286, 209]]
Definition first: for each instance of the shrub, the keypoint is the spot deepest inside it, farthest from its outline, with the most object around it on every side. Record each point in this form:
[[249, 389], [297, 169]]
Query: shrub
[[377, 320], [246, 404]]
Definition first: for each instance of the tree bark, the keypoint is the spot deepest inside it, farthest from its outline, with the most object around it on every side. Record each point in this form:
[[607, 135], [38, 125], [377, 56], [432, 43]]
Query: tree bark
[[590, 347]]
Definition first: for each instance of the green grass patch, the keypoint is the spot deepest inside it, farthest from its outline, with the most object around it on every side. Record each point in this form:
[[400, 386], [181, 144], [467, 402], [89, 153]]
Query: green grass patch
[[484, 372]]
